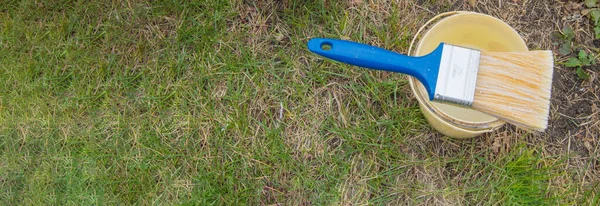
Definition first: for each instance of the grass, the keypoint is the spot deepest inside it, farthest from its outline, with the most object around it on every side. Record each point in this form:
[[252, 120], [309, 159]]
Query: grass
[[219, 102]]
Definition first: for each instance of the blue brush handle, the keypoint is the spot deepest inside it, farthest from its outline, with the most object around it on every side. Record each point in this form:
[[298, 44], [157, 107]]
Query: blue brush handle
[[424, 68]]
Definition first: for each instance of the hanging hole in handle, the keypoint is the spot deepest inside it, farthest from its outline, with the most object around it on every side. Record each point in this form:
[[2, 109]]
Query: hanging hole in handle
[[326, 46]]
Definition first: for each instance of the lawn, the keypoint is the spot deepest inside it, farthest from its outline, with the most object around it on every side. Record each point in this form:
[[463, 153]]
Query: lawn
[[219, 102]]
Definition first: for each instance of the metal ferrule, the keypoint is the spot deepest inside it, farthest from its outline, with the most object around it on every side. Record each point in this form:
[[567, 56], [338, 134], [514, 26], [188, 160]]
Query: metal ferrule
[[457, 75]]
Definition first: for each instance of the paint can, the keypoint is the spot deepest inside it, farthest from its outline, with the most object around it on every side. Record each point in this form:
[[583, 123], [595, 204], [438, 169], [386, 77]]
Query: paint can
[[469, 29]]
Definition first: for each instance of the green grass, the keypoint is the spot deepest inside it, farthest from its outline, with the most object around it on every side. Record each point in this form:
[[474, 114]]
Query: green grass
[[219, 102]]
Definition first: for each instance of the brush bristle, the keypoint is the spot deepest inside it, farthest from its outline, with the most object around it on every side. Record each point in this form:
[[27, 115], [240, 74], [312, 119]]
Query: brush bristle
[[515, 87]]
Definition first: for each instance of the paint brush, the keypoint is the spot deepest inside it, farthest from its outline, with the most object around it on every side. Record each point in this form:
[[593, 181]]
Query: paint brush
[[512, 86]]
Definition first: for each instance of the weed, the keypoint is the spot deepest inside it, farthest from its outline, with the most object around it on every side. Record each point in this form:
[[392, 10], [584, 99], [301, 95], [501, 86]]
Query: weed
[[594, 14], [565, 40], [582, 60]]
